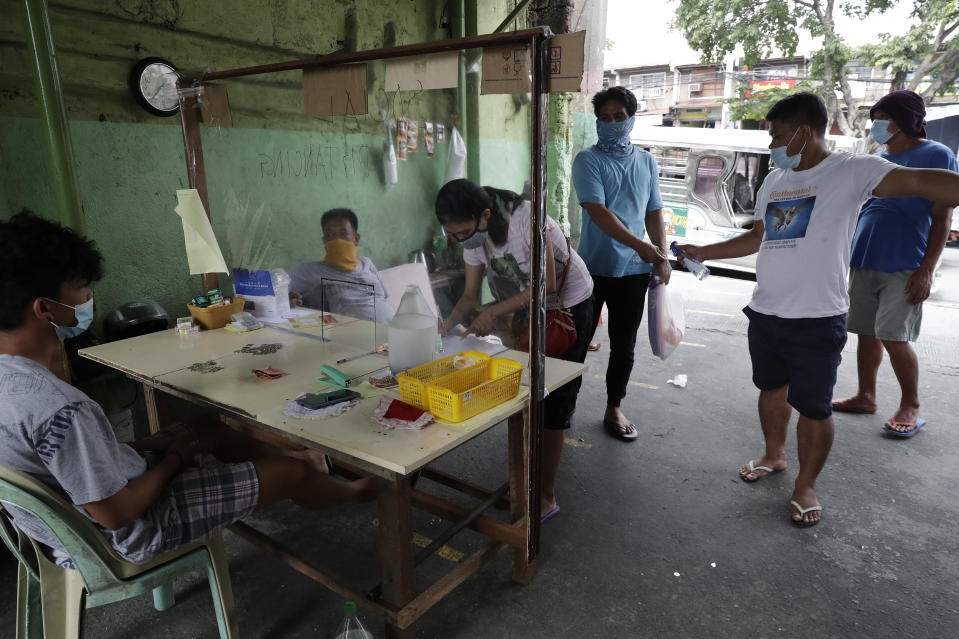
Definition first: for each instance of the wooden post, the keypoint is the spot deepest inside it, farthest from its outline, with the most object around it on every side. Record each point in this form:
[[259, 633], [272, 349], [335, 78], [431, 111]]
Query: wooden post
[[396, 549], [157, 414], [518, 495], [195, 168], [539, 65]]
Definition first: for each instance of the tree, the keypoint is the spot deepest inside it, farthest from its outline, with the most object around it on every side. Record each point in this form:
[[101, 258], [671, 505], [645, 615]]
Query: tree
[[716, 27], [930, 48], [754, 105]]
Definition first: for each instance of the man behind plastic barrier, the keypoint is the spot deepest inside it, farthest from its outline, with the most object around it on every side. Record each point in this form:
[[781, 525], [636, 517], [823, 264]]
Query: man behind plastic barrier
[[894, 255], [343, 282], [806, 213], [618, 188]]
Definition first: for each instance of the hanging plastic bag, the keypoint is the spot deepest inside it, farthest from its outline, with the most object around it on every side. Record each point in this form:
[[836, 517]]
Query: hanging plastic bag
[[667, 319], [457, 156], [390, 173]]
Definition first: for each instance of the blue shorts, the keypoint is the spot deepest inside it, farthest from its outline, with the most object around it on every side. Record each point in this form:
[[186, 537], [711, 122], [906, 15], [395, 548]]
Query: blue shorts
[[803, 354]]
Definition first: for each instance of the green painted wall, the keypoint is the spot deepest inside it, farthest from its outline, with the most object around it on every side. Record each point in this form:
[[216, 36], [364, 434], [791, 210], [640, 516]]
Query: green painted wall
[[131, 163]]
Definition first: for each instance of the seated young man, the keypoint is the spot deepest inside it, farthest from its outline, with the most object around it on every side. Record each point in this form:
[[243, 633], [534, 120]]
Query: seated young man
[[342, 283], [147, 497]]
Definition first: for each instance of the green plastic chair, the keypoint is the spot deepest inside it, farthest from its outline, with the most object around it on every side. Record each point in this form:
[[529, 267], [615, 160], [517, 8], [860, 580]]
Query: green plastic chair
[[51, 600]]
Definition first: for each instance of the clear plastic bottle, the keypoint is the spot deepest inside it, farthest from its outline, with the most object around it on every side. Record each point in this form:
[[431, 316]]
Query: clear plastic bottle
[[350, 627], [697, 268], [412, 332]]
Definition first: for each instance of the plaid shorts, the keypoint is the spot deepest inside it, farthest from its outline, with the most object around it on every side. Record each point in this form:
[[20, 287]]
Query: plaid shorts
[[202, 500], [206, 499]]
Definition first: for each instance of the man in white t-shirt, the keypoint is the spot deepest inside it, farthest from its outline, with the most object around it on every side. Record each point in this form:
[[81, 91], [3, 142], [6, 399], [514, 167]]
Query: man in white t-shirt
[[806, 213]]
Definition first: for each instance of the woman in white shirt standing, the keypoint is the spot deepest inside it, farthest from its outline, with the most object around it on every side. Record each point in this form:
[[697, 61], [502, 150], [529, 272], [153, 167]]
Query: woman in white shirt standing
[[493, 225]]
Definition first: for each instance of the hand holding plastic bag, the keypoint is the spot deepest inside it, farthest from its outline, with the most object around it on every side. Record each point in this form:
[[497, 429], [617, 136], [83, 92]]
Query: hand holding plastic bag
[[667, 319]]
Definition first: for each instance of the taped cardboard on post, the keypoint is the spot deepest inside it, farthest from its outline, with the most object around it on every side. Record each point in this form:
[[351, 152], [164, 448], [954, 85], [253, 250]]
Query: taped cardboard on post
[[566, 62], [505, 70], [337, 91], [215, 106], [435, 71]]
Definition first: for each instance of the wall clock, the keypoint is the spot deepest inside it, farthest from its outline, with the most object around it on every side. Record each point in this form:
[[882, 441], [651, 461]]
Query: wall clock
[[153, 82]]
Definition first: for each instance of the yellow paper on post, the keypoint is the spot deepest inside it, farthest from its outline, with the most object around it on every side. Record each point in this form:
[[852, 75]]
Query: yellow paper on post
[[202, 250]]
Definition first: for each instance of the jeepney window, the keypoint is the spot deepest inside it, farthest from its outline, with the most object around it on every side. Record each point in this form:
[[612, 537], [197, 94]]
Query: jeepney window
[[707, 175], [742, 187], [671, 162]]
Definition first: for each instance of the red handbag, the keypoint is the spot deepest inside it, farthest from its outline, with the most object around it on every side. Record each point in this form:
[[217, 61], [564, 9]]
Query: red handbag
[[560, 327]]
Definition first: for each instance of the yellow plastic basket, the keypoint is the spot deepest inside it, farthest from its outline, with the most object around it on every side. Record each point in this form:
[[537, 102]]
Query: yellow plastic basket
[[413, 383], [463, 394]]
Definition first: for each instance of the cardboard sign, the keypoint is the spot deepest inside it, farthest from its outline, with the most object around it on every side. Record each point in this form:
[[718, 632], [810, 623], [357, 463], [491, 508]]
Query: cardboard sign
[[566, 62], [215, 106], [506, 70], [338, 91], [436, 71], [252, 283]]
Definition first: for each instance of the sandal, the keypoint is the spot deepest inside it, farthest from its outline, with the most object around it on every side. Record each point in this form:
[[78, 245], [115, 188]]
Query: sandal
[[626, 432]]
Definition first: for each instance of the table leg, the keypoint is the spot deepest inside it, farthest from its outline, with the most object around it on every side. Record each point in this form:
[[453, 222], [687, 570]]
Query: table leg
[[519, 491], [157, 414], [396, 548]]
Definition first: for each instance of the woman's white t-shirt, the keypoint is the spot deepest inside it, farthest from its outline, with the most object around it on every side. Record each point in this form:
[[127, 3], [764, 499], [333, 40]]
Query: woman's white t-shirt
[[508, 266]]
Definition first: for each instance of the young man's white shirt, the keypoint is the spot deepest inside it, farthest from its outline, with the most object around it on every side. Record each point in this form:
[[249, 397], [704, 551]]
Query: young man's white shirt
[[810, 218]]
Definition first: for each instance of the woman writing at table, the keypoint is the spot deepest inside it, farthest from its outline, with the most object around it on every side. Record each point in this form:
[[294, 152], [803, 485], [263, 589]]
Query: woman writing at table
[[493, 225]]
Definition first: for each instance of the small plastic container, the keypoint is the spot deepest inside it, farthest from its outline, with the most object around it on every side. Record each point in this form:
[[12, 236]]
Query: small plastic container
[[697, 268], [215, 316], [351, 627]]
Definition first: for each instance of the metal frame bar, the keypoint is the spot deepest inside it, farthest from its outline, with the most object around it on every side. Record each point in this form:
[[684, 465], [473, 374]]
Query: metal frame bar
[[401, 606]]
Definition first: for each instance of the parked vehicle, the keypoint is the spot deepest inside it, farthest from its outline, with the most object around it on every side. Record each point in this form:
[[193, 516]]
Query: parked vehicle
[[709, 179]]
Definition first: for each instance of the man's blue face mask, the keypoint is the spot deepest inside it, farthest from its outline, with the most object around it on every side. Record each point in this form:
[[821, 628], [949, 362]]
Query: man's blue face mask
[[83, 313], [782, 159], [614, 136], [880, 131]]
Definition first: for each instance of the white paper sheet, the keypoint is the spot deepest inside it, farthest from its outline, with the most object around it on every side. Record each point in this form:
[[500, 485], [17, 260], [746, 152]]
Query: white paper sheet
[[202, 250]]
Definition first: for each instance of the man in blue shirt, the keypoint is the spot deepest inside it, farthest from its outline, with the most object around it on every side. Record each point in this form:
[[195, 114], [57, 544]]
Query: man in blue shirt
[[894, 254], [618, 188]]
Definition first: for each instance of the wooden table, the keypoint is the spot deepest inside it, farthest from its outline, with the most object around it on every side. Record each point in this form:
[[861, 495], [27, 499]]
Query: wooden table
[[161, 361]]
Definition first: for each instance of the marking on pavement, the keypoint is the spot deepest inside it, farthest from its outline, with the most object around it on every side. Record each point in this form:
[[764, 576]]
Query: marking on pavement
[[640, 384], [692, 344], [692, 310], [576, 443], [446, 552]]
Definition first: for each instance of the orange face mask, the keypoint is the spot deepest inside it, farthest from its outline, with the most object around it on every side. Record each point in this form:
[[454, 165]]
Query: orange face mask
[[341, 254]]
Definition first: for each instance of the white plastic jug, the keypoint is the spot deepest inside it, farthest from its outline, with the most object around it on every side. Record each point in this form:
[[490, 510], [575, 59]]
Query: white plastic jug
[[412, 332]]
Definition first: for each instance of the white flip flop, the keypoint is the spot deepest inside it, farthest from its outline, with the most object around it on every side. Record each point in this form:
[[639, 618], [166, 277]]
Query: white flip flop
[[753, 468], [802, 513]]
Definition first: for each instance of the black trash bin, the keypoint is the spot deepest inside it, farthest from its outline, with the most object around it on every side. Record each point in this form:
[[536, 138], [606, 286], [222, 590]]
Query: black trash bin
[[135, 318]]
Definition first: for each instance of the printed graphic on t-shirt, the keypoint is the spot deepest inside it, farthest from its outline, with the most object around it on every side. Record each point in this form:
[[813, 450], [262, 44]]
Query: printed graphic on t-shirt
[[786, 221], [507, 277]]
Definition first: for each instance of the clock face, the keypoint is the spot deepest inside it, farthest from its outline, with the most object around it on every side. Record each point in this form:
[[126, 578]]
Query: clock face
[[154, 85]]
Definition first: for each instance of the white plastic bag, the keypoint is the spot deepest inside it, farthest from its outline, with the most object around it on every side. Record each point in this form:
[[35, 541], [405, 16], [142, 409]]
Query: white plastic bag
[[667, 319], [457, 156]]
